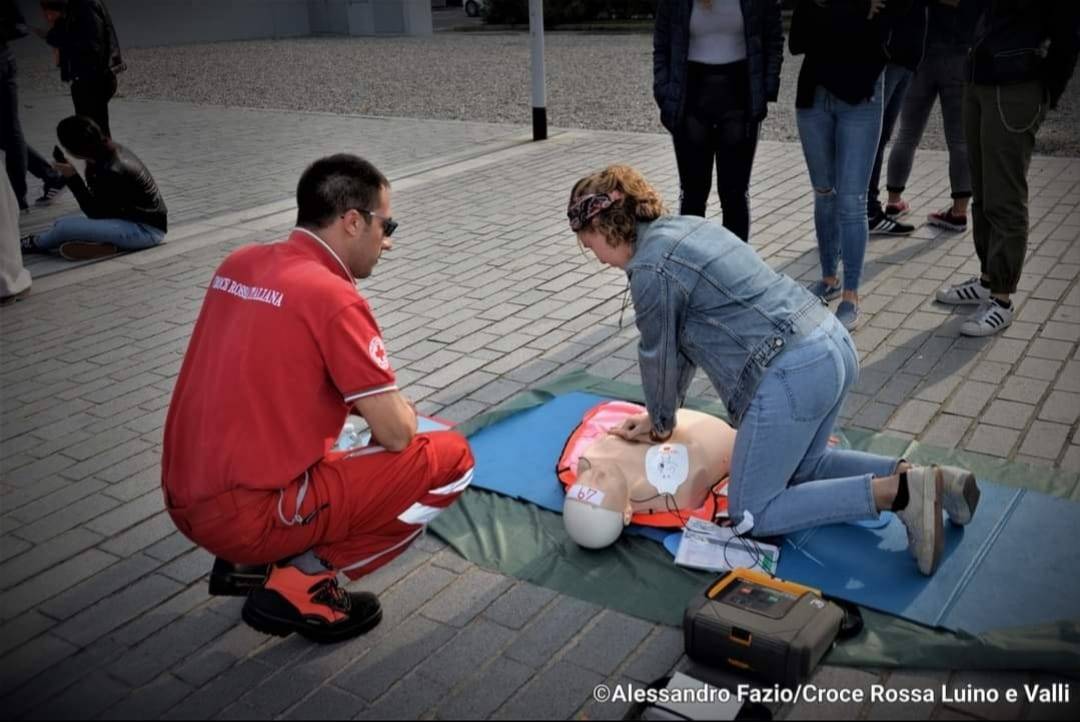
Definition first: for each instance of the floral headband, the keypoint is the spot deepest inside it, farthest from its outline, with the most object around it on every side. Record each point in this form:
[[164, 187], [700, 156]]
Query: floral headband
[[585, 208]]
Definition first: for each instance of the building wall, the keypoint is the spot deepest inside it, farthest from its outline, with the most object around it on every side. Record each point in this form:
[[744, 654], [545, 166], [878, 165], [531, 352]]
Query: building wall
[[144, 23]]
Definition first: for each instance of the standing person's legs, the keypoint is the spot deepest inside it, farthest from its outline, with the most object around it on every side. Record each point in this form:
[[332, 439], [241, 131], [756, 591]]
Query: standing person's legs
[[91, 98], [14, 279], [952, 112], [897, 78], [42, 169], [734, 163], [734, 146], [694, 149], [973, 121], [914, 115], [817, 135], [11, 136], [857, 130], [1011, 116], [976, 106]]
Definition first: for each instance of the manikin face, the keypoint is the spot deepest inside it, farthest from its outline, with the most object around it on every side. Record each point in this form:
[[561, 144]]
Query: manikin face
[[367, 237], [595, 241], [609, 480]]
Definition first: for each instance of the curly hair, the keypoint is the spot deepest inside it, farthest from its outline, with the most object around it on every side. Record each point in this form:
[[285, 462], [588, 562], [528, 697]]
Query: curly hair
[[640, 202]]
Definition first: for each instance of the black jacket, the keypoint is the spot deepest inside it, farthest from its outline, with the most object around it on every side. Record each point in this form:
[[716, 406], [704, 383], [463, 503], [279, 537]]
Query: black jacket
[[671, 50], [87, 42], [952, 27], [845, 52], [905, 44], [1022, 40], [120, 186], [12, 23]]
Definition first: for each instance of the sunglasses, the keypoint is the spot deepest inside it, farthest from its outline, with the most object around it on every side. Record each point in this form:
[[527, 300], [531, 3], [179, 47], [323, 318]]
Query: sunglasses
[[389, 225]]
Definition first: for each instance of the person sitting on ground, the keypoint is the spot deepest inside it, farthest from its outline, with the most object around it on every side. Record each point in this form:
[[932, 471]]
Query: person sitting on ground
[[284, 347], [123, 208], [617, 478], [779, 360]]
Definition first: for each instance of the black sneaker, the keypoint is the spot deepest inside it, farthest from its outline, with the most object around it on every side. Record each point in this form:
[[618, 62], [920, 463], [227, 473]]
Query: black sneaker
[[884, 226], [49, 194], [313, 605], [28, 244]]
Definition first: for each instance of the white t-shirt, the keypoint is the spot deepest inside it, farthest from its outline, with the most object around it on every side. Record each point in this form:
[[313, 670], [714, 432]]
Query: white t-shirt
[[717, 33]]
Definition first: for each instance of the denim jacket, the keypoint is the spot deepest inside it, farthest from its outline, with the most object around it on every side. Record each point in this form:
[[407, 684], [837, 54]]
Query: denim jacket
[[703, 298]]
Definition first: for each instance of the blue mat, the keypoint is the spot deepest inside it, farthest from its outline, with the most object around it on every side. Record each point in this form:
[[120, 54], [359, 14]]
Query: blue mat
[[1016, 564]]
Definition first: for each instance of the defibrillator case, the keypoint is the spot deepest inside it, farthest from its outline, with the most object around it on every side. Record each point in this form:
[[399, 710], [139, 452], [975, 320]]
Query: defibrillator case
[[765, 628]]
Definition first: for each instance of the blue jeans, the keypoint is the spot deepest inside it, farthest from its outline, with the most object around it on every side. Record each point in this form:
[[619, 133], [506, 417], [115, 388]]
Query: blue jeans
[[839, 141], [897, 80], [783, 470], [125, 235]]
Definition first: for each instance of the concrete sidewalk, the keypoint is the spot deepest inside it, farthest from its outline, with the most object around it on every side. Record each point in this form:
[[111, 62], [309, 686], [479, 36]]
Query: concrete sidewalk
[[104, 605]]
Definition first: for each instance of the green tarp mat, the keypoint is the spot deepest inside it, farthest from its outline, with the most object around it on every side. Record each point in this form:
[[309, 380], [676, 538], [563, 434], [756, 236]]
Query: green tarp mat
[[638, 577]]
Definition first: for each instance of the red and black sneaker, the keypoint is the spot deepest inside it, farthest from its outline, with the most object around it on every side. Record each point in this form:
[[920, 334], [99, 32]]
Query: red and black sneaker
[[314, 605], [950, 221]]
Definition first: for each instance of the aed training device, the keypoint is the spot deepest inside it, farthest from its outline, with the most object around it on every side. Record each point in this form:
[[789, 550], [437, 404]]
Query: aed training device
[[766, 628]]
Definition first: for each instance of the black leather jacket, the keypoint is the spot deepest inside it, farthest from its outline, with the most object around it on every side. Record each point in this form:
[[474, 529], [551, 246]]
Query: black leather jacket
[[671, 50], [1021, 40], [120, 186], [87, 42], [12, 24]]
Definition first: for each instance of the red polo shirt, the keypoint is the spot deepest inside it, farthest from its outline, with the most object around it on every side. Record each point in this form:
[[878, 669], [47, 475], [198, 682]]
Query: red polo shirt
[[283, 345]]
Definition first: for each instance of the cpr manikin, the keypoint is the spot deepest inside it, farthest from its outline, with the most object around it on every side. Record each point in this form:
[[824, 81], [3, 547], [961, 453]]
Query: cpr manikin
[[618, 479]]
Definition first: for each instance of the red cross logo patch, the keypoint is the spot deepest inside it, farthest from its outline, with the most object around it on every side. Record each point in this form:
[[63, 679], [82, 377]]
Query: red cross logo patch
[[377, 351]]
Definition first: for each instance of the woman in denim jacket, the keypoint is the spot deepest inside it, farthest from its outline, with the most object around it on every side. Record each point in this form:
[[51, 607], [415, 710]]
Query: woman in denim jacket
[[779, 360]]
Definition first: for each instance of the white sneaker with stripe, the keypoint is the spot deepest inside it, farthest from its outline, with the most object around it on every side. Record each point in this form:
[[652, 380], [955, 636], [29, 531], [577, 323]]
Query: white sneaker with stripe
[[969, 293], [988, 320]]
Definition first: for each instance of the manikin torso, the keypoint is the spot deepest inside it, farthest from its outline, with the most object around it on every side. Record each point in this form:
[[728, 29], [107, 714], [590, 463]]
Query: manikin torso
[[649, 478]]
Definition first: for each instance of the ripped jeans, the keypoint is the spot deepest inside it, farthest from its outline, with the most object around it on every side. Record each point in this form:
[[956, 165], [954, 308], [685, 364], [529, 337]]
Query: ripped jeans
[[839, 141]]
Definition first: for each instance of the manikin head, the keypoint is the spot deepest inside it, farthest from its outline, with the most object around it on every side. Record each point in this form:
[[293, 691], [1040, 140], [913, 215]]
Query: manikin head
[[597, 507]]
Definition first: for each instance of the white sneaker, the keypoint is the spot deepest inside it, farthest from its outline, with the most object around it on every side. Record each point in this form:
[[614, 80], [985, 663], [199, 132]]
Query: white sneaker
[[961, 494], [990, 319], [922, 517], [969, 293]]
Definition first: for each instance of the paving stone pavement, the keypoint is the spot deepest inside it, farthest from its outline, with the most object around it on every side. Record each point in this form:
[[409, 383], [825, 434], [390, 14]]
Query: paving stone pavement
[[103, 604]]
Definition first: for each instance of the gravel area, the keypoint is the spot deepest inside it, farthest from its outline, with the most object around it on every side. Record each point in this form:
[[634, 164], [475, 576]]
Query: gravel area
[[595, 81]]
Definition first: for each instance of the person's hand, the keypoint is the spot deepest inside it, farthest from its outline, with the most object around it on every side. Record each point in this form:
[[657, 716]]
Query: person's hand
[[876, 6], [65, 169], [634, 428]]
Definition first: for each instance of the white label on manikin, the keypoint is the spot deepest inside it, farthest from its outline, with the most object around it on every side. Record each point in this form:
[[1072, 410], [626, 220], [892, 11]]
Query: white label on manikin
[[667, 466], [586, 494]]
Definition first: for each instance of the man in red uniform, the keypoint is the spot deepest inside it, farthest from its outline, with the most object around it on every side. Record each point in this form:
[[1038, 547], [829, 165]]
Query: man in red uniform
[[284, 347]]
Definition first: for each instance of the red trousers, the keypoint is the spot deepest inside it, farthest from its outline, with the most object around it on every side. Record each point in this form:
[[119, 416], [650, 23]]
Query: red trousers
[[356, 510]]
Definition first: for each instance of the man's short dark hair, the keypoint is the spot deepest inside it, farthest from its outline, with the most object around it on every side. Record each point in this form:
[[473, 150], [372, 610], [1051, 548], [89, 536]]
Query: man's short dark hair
[[58, 6], [82, 136], [331, 186]]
